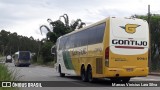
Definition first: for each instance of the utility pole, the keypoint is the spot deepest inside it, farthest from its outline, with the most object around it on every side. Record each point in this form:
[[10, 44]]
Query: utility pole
[[150, 45], [149, 15]]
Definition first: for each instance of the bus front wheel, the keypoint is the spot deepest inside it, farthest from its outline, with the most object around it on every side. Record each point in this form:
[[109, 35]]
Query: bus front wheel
[[60, 72]]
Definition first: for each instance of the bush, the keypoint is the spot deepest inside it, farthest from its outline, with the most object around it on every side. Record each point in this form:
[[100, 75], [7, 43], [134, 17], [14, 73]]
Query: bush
[[34, 58], [46, 52], [6, 75]]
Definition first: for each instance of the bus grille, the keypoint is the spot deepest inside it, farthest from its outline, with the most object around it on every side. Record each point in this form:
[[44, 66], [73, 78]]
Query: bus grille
[[99, 66]]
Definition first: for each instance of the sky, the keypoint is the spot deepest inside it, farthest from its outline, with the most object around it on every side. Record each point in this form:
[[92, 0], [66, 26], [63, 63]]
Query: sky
[[26, 16]]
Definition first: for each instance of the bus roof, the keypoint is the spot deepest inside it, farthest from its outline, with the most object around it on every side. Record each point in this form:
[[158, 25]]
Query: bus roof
[[21, 51]]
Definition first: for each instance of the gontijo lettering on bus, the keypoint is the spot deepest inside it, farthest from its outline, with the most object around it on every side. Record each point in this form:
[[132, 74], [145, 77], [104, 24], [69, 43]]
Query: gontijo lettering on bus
[[129, 42]]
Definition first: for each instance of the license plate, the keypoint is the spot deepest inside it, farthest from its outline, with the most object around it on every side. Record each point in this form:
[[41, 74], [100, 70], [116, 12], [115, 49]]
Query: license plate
[[129, 69]]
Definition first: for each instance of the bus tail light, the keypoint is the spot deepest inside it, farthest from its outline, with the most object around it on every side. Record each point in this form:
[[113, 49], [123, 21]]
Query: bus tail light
[[107, 56]]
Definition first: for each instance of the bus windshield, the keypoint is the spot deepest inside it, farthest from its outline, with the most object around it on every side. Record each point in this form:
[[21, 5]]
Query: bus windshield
[[24, 55]]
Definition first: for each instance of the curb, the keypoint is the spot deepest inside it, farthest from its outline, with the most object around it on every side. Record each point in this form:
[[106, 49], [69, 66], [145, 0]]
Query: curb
[[155, 74]]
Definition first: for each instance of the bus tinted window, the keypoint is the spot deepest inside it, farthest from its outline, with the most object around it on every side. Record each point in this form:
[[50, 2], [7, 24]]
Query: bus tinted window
[[69, 42], [100, 32], [75, 40], [62, 44], [95, 34], [24, 55], [89, 36]]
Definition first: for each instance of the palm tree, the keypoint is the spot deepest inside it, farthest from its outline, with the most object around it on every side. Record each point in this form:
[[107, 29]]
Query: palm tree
[[46, 29], [77, 24], [58, 28], [66, 19]]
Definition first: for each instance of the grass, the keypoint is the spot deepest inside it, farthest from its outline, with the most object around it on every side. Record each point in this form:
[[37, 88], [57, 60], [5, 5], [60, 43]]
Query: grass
[[51, 64], [39, 61], [6, 75]]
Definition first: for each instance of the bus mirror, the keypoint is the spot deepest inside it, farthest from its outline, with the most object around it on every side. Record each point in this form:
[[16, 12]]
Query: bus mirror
[[53, 50]]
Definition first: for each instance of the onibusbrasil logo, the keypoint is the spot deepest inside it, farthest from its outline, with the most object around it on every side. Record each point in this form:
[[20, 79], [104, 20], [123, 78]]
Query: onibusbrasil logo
[[21, 84], [130, 28]]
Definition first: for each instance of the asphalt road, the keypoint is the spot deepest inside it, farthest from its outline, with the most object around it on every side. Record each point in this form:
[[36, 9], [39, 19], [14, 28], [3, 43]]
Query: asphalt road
[[41, 73]]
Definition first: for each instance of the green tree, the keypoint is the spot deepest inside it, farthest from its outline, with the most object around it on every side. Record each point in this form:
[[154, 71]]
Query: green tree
[[60, 28], [57, 29], [46, 52], [12, 42], [77, 24]]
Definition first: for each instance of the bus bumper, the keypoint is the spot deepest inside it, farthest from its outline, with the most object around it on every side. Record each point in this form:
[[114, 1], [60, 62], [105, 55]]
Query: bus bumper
[[126, 72], [23, 64]]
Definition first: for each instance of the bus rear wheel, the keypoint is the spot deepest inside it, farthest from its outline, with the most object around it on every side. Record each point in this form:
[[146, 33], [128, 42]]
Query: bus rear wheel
[[89, 74]]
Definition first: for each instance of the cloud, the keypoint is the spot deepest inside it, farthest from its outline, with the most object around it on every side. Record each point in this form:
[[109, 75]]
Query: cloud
[[25, 16]]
